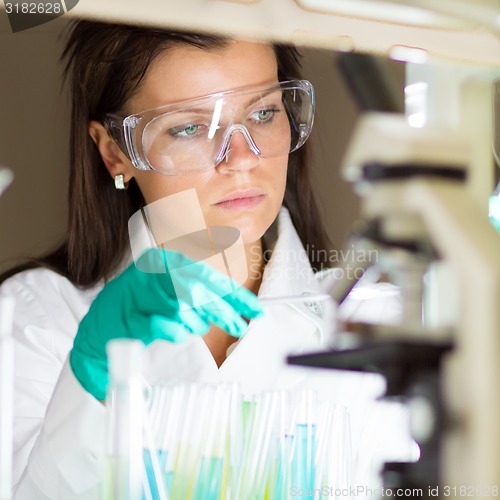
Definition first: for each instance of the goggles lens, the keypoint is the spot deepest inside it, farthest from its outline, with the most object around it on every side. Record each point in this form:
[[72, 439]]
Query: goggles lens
[[196, 135]]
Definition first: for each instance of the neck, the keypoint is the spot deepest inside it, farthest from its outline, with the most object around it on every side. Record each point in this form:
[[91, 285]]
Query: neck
[[255, 266], [218, 340]]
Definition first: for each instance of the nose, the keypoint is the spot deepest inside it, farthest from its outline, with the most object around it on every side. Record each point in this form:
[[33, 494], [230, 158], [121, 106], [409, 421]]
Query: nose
[[238, 150]]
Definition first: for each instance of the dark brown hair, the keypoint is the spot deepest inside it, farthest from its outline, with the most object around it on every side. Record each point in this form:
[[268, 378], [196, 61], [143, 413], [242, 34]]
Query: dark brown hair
[[104, 65]]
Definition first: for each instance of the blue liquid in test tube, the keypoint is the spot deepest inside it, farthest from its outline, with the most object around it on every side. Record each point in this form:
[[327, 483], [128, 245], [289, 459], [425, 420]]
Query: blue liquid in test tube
[[303, 468], [153, 486], [282, 486], [209, 479]]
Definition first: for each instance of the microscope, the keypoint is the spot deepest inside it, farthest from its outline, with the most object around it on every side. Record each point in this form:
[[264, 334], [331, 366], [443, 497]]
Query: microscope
[[417, 217]]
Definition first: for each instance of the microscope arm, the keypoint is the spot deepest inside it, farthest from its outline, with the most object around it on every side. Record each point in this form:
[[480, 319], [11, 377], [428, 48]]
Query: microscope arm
[[471, 382]]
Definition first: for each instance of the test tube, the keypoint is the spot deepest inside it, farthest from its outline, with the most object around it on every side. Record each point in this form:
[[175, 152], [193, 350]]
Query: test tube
[[188, 450], [280, 451], [124, 468], [154, 480], [7, 305], [303, 464], [210, 471], [173, 418], [255, 463], [323, 448], [156, 450], [338, 458]]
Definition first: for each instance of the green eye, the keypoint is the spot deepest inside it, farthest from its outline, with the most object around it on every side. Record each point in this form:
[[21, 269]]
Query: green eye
[[190, 129], [185, 131], [264, 115]]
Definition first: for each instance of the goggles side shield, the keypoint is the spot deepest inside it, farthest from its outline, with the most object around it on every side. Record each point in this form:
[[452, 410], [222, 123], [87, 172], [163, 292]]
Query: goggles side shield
[[193, 136]]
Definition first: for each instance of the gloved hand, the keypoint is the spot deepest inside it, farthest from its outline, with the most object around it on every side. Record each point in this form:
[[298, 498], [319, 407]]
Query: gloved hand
[[185, 298]]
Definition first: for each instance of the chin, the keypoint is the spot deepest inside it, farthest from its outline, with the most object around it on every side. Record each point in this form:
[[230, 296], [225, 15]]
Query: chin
[[252, 226], [251, 231]]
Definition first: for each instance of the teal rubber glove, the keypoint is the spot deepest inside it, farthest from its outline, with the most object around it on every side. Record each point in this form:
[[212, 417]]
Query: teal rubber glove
[[183, 298]]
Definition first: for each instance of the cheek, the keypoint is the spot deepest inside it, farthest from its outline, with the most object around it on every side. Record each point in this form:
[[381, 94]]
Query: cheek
[[271, 176], [155, 186], [278, 182], [278, 175]]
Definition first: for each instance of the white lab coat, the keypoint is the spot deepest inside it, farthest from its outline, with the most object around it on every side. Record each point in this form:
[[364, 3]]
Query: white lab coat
[[59, 432]]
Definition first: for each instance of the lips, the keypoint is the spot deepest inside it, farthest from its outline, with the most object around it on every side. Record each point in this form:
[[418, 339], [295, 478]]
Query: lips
[[240, 200]]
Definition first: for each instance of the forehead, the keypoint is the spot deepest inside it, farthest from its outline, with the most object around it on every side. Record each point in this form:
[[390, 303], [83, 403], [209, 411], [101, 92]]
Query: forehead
[[185, 72]]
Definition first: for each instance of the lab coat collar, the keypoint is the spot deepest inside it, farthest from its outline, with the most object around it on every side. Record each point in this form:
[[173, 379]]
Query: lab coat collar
[[289, 273], [258, 360]]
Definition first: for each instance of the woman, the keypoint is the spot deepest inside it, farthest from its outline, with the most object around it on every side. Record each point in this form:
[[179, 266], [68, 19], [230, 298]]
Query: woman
[[140, 134]]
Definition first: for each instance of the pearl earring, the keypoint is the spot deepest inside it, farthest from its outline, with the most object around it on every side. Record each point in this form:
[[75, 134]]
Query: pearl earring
[[119, 182]]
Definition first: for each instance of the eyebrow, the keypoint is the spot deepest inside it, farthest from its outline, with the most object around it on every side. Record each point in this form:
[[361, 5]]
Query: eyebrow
[[264, 94], [209, 112], [199, 111]]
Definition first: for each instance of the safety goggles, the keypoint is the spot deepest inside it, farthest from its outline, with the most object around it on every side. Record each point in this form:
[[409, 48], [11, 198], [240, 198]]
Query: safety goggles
[[195, 135]]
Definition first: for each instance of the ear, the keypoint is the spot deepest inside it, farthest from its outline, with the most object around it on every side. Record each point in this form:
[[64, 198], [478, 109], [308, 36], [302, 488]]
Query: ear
[[113, 157]]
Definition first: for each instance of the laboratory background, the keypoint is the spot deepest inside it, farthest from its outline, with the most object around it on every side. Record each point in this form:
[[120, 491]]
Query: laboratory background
[[419, 185]]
